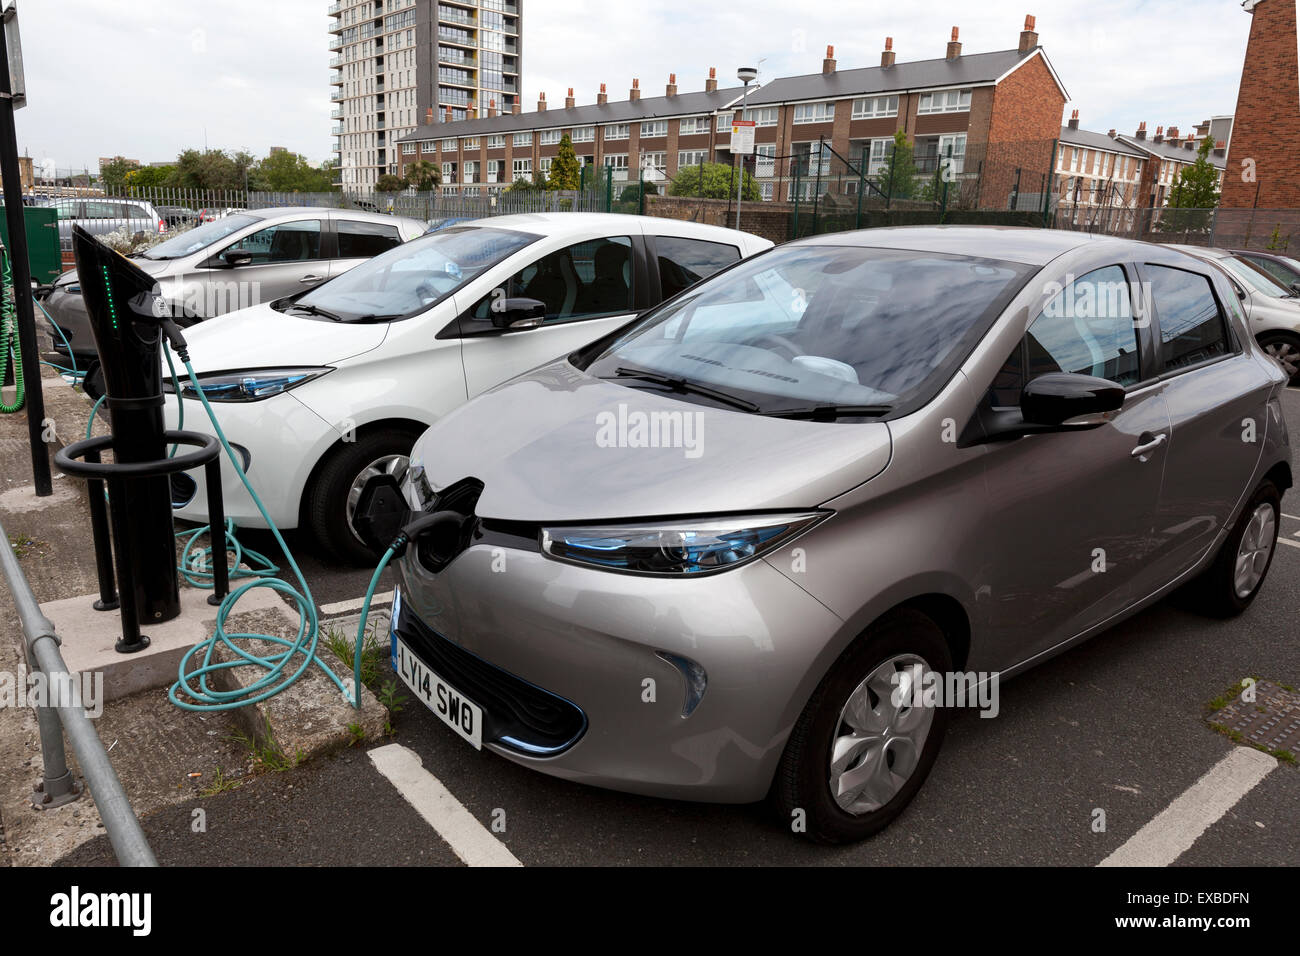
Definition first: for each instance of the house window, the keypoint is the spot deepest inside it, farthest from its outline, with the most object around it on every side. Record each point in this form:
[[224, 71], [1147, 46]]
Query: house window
[[494, 170], [947, 101], [766, 191], [692, 157], [654, 166], [765, 161], [523, 169], [471, 143], [523, 139], [471, 169], [767, 116], [616, 131], [692, 125], [653, 128], [956, 142], [619, 163], [583, 134], [449, 146], [878, 157], [814, 112], [448, 173], [408, 149], [544, 164], [549, 137], [496, 142], [724, 122], [874, 107]]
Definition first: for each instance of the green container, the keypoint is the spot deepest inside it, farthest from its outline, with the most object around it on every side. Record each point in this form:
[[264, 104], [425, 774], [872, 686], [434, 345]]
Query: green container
[[43, 252]]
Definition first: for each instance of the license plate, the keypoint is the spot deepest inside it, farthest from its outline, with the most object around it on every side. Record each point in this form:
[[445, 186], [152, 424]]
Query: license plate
[[448, 704]]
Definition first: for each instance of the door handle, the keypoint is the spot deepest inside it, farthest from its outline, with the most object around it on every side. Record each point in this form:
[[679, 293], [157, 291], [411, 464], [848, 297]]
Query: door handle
[[306, 279], [1141, 451]]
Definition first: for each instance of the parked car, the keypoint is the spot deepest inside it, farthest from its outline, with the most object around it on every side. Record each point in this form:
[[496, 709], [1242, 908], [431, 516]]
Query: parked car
[[239, 260], [324, 389], [179, 215], [1273, 309], [1285, 269], [920, 455], [102, 216]]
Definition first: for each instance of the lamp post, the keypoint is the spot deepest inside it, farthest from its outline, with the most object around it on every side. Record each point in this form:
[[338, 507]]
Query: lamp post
[[747, 75]]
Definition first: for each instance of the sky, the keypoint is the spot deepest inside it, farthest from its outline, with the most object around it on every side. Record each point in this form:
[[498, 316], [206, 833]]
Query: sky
[[148, 78]]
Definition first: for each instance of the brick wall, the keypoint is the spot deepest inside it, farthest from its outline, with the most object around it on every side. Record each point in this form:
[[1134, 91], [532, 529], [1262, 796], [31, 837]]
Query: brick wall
[[771, 220], [1267, 122]]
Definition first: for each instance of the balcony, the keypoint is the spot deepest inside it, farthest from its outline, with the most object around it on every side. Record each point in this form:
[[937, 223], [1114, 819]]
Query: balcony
[[336, 62], [448, 15], [336, 113], [453, 35], [336, 8], [336, 95], [336, 79], [337, 130], [336, 43]]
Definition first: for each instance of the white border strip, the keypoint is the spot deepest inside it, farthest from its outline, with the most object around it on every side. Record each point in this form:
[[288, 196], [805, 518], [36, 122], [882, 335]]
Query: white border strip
[[1175, 828], [345, 607], [468, 839]]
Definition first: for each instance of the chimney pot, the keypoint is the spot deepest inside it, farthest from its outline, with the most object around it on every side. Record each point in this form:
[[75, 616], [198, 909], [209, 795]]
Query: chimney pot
[[1074, 120], [1111, 134], [602, 97], [1142, 130], [954, 47], [635, 92], [1029, 36], [828, 64], [569, 101], [541, 102], [671, 88], [887, 57], [711, 84]]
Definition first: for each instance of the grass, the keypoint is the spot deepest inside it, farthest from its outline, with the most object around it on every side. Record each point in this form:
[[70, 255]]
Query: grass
[[344, 648], [23, 545], [1232, 695], [267, 755], [390, 695], [220, 784]]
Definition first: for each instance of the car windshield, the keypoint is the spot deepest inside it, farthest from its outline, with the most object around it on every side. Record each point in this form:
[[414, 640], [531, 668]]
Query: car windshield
[[194, 240], [817, 327], [410, 278], [1259, 280]]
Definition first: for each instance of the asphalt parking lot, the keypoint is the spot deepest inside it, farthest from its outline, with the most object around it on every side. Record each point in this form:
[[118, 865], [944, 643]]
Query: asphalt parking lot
[[1116, 725]]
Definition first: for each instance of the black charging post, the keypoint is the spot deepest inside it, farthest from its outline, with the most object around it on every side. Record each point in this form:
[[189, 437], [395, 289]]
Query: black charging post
[[128, 326]]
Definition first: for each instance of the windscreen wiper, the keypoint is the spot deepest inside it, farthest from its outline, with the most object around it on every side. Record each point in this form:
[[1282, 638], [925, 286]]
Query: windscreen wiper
[[678, 384], [829, 413], [314, 310]]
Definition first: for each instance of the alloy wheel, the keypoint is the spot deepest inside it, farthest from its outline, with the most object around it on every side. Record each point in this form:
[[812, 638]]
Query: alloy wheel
[[1255, 549]]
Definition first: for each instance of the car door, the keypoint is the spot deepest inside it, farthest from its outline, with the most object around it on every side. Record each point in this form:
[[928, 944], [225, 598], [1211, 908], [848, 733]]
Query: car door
[[357, 240], [1217, 399], [1072, 513], [286, 258], [588, 287]]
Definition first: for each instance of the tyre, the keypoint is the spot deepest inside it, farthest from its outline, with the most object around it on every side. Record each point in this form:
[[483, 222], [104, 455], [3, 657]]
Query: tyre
[[1230, 584], [332, 497], [858, 753], [1284, 349]]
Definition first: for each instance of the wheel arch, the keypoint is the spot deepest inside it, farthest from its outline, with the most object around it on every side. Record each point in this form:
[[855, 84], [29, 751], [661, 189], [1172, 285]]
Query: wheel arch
[[414, 427]]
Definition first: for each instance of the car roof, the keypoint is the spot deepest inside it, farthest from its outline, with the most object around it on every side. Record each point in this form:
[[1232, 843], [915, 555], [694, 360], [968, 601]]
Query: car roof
[[1025, 244], [563, 223], [1205, 252]]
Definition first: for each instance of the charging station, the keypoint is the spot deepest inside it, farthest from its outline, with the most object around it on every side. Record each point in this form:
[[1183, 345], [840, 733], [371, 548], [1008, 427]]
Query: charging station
[[127, 326]]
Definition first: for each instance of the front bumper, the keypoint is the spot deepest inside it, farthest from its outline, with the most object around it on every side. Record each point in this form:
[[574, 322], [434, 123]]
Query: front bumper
[[591, 640]]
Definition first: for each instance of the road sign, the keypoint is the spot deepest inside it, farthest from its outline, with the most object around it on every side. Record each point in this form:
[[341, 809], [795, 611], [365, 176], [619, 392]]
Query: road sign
[[742, 136], [17, 81]]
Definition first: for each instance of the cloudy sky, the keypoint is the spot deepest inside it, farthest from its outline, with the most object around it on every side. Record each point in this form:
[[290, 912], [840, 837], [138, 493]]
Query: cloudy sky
[[147, 78]]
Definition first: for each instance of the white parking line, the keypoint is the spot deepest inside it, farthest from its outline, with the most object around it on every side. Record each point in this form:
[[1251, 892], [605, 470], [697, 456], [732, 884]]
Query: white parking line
[[1293, 544], [1175, 828], [344, 607], [468, 839]]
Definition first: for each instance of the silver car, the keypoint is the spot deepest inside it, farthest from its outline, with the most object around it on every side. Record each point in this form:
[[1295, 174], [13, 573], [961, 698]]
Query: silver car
[[240, 260], [1272, 308], [101, 215], [761, 541]]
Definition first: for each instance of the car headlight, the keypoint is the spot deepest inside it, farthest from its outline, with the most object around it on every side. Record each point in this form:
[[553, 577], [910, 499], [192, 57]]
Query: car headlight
[[251, 385], [696, 546]]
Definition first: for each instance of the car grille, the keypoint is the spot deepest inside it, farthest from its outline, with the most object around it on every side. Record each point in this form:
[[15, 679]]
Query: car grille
[[516, 714]]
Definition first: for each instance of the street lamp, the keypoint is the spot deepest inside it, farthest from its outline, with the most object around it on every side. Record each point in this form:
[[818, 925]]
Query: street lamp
[[747, 75]]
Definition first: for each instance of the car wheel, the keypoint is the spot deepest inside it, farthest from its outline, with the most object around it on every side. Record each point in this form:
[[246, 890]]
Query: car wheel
[[1230, 584], [1285, 350], [332, 500], [862, 747]]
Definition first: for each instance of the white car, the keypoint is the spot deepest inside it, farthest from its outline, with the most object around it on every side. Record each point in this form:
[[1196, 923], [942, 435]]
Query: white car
[[322, 389]]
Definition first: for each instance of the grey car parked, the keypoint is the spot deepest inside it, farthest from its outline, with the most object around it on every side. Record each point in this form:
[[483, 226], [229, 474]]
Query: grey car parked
[[100, 216], [759, 542], [240, 260]]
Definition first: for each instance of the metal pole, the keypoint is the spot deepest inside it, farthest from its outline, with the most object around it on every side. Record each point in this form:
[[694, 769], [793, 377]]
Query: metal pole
[[120, 823], [740, 160], [22, 276]]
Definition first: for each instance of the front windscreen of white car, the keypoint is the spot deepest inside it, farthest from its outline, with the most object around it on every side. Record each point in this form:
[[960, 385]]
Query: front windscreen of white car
[[412, 277]]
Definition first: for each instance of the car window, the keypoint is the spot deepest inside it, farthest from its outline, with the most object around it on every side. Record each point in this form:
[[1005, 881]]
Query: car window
[[286, 242], [1087, 328], [684, 262], [68, 209], [128, 211], [361, 240], [188, 243], [101, 210], [1191, 325], [582, 281], [1274, 268]]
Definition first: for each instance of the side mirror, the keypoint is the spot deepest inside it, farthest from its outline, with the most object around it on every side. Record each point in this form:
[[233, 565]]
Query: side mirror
[[237, 257], [1057, 397], [1295, 287], [512, 315]]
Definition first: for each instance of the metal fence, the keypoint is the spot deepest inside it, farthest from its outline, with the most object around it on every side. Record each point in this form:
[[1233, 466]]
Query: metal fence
[[1267, 230], [57, 783]]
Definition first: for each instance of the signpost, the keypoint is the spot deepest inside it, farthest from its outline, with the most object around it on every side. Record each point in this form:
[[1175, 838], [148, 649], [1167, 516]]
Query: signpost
[[742, 137]]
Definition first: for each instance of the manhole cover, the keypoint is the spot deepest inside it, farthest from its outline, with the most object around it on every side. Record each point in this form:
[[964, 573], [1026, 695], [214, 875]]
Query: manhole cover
[[1271, 720]]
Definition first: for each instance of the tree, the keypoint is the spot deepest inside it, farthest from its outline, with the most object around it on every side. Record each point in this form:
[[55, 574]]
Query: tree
[[423, 175], [564, 168], [522, 185], [1194, 194], [283, 171], [389, 183], [150, 177], [113, 175], [900, 178], [211, 169], [713, 181]]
